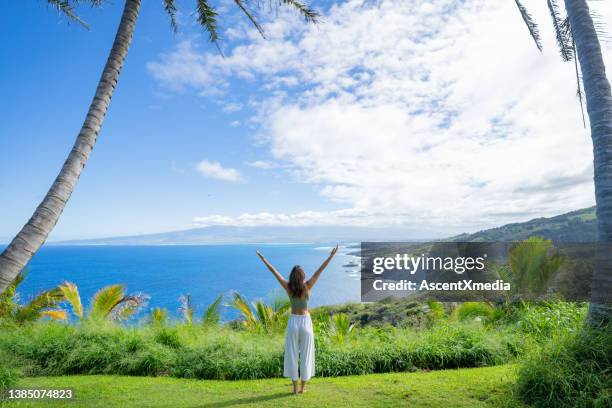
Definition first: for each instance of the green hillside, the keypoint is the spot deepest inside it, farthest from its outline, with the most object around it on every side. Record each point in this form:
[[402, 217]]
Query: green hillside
[[575, 226]]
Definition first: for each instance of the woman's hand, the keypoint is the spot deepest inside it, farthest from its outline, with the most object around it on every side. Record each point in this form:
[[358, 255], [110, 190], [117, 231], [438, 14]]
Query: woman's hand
[[272, 269], [333, 251]]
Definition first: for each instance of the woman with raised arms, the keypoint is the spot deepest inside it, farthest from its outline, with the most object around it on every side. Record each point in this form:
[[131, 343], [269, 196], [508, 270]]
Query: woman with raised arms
[[299, 339]]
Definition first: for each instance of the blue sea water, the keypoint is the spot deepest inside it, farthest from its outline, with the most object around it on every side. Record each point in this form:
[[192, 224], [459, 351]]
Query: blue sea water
[[204, 271]]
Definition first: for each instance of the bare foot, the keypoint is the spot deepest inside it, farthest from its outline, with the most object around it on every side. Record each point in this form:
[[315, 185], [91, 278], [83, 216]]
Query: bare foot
[[303, 387]]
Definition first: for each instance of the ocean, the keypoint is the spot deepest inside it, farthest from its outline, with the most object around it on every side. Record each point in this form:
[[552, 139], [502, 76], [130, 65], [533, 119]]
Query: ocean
[[204, 271]]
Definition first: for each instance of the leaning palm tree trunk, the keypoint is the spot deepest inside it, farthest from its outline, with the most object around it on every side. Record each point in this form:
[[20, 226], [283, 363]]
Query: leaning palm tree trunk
[[35, 232], [599, 107]]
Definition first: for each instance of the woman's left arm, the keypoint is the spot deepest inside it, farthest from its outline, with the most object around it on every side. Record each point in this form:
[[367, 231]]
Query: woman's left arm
[[272, 269], [316, 275]]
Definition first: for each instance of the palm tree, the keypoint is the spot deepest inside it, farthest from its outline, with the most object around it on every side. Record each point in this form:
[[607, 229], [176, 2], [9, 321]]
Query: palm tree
[[577, 37], [34, 233]]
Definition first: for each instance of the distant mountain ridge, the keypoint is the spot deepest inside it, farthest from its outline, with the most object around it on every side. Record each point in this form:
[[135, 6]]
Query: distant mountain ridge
[[266, 234], [575, 226]]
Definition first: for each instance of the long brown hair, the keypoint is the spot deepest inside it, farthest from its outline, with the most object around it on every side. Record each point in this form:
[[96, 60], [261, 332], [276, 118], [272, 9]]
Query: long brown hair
[[297, 282]]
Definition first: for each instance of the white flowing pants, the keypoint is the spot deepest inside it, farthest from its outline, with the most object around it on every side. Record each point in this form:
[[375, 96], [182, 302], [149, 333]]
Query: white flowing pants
[[299, 346]]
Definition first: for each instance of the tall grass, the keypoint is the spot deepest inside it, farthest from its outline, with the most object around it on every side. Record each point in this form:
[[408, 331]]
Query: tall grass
[[211, 351], [8, 378], [572, 370], [196, 351]]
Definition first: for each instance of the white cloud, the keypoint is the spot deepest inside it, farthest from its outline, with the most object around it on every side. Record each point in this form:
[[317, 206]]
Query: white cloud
[[232, 107], [215, 170], [235, 123], [263, 164], [441, 113], [184, 69], [304, 218]]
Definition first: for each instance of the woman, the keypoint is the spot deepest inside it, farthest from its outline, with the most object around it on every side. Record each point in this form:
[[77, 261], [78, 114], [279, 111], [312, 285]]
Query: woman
[[299, 339]]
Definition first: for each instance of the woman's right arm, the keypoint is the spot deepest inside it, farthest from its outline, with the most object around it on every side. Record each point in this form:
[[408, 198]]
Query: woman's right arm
[[310, 283], [272, 269]]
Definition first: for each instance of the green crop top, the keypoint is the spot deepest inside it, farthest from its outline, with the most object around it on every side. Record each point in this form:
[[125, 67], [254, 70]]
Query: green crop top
[[299, 303]]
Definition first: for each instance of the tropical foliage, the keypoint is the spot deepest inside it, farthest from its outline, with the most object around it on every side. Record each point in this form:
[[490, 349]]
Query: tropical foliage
[[224, 352], [261, 316], [571, 370], [212, 316], [42, 305], [159, 316], [339, 328], [531, 265], [109, 303]]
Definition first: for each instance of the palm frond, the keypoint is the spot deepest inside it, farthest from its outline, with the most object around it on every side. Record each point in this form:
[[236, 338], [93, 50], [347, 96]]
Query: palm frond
[[66, 8], [129, 306], [533, 262], [159, 316], [310, 15], [186, 308], [265, 315], [34, 309], [105, 300], [211, 313], [171, 10], [562, 31], [250, 16], [600, 24], [531, 24], [207, 18], [55, 314], [71, 295], [340, 327], [239, 303], [578, 82], [8, 298]]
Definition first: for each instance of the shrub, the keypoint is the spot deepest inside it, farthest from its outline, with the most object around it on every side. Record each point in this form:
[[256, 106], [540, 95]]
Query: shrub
[[224, 352], [572, 370], [8, 378], [545, 319], [473, 310], [168, 337], [195, 351], [339, 328]]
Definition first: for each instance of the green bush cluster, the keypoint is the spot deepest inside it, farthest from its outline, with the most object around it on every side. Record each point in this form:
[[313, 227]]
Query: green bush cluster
[[223, 353], [572, 370], [8, 378], [445, 346]]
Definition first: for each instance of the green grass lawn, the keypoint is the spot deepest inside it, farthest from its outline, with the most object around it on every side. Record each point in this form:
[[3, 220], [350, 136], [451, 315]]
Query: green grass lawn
[[477, 387]]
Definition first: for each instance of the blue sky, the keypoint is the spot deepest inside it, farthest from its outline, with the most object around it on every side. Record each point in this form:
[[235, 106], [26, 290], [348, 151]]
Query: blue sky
[[141, 176], [425, 115]]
